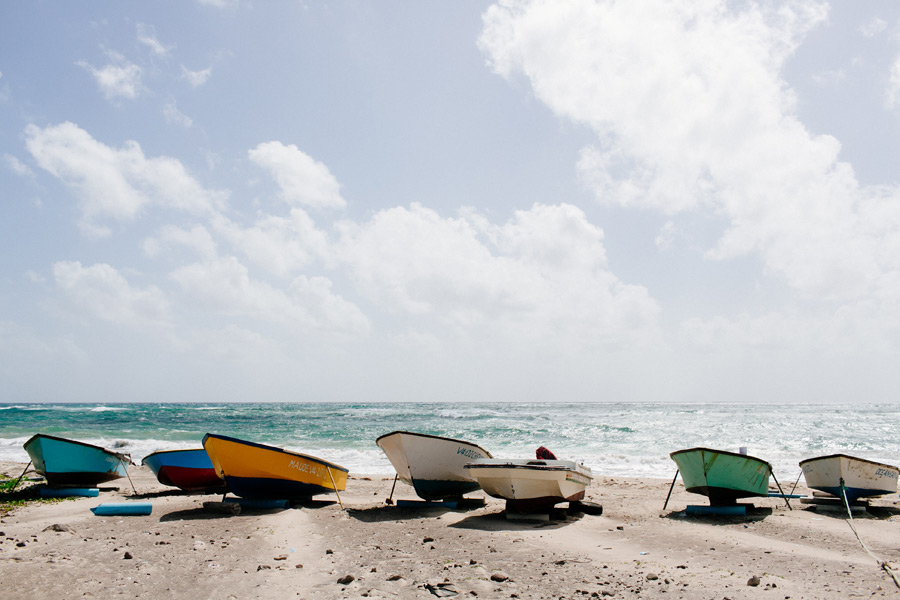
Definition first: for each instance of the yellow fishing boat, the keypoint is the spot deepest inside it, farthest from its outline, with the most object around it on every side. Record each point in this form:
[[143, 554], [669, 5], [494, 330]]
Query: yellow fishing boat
[[258, 471]]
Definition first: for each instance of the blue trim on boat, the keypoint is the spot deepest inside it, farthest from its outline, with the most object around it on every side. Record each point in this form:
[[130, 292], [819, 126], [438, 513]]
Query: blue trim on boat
[[853, 493], [193, 458]]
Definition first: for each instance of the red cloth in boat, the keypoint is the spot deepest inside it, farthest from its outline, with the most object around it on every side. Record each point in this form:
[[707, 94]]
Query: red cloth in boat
[[544, 454]]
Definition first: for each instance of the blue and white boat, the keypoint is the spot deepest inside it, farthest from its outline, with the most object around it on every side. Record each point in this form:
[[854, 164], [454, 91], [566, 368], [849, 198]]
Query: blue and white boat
[[432, 465], [65, 462]]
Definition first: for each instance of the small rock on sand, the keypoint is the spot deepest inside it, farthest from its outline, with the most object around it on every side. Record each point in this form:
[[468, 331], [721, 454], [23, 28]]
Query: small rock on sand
[[753, 581], [346, 579]]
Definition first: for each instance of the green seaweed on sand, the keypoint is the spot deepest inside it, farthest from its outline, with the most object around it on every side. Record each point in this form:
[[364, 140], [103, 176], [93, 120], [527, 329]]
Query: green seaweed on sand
[[13, 496]]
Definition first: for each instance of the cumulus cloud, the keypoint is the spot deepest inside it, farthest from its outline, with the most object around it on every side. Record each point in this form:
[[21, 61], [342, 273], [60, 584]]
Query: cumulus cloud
[[118, 79], [101, 292], [196, 78], [173, 115], [892, 94], [279, 245], [226, 287], [542, 275], [17, 166], [873, 27], [146, 34], [197, 239], [302, 179], [115, 183], [692, 114]]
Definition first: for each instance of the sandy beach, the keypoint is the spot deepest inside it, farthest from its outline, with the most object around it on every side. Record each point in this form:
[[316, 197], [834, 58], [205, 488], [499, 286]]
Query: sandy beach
[[369, 549]]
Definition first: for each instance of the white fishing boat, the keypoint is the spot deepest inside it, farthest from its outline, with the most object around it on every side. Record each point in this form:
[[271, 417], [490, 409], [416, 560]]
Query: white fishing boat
[[531, 485], [860, 478], [431, 464]]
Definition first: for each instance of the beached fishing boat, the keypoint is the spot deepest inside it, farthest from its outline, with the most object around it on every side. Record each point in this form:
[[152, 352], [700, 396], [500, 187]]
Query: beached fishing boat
[[189, 469], [257, 471], [432, 465], [722, 476], [859, 477], [531, 485], [65, 462]]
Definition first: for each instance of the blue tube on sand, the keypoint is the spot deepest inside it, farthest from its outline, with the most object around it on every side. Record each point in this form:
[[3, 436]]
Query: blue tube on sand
[[122, 508]]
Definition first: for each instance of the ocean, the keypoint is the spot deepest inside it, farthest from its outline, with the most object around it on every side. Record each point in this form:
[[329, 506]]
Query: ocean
[[630, 440]]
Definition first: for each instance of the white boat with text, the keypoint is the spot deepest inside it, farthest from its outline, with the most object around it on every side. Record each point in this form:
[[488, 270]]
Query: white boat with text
[[859, 478], [431, 464], [531, 485]]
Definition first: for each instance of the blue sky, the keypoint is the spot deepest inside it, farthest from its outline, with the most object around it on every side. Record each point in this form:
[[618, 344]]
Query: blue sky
[[462, 201]]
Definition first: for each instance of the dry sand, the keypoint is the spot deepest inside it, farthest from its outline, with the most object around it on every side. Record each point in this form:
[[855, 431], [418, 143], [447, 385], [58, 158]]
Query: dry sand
[[633, 550]]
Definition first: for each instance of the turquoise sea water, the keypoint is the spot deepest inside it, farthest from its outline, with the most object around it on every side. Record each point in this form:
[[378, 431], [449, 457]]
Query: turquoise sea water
[[613, 439]]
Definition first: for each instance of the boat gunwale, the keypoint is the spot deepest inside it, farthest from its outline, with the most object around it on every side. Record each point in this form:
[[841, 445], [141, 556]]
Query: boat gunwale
[[545, 467], [428, 435], [274, 448], [839, 455], [122, 456], [727, 452], [155, 452]]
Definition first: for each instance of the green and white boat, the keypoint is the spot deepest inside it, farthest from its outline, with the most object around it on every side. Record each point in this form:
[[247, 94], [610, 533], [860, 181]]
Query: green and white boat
[[722, 476]]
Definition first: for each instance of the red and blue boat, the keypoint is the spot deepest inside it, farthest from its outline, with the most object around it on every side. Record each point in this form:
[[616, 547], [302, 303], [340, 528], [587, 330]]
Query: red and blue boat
[[189, 469]]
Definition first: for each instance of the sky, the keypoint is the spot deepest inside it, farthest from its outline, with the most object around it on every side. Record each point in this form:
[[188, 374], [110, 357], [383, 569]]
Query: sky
[[539, 201]]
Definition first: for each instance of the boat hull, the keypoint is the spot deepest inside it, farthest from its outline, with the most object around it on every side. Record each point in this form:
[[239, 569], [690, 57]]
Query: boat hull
[[531, 485], [191, 470], [861, 478], [432, 465], [65, 462], [722, 476], [260, 472]]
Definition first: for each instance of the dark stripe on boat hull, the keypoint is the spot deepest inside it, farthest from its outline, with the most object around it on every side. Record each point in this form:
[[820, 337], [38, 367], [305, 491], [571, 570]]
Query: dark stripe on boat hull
[[259, 488], [433, 489], [79, 479], [722, 496]]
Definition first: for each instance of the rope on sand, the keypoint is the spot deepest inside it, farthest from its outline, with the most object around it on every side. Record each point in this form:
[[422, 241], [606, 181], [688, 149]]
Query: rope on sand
[[881, 563]]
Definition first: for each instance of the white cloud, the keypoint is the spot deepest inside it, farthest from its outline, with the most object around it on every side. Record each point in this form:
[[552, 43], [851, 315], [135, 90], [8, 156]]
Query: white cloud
[[225, 286], [692, 114], [541, 276], [115, 183], [17, 166], [197, 239], [279, 245], [196, 78], [220, 3], [873, 27], [302, 179], [892, 94], [830, 78], [101, 292], [120, 78], [146, 34], [173, 115]]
